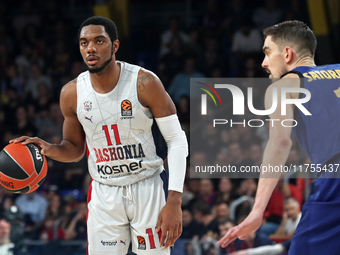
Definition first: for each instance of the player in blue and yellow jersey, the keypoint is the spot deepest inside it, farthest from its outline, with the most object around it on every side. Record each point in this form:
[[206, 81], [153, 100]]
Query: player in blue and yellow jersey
[[289, 49]]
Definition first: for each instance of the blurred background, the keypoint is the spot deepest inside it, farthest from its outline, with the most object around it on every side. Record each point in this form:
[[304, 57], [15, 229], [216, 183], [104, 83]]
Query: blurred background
[[178, 40]]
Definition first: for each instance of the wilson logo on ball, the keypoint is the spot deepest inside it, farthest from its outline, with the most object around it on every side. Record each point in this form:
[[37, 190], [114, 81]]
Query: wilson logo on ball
[[7, 184], [22, 167], [126, 108]]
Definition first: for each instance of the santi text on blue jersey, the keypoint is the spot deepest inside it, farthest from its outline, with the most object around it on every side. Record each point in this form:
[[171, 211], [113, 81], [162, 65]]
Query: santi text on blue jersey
[[323, 74]]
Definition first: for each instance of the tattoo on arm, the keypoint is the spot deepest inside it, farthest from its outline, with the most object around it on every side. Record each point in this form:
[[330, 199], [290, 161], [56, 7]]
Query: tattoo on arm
[[142, 79]]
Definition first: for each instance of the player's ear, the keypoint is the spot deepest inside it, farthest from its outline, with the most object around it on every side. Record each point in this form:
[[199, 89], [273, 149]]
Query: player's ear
[[115, 46], [288, 54]]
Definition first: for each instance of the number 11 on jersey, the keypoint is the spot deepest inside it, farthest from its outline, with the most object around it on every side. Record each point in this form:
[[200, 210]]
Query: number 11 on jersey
[[115, 132]]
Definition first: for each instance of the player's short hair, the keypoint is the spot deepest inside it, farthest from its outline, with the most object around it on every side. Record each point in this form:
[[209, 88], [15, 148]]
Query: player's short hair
[[293, 32], [109, 25]]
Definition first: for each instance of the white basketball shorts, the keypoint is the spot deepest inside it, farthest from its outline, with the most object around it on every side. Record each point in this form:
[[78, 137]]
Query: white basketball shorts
[[118, 215]]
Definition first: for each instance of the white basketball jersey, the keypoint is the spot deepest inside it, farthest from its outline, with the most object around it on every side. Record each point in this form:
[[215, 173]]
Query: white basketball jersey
[[120, 145]]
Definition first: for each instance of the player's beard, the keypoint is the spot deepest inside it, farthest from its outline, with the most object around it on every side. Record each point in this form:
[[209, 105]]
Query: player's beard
[[101, 68]]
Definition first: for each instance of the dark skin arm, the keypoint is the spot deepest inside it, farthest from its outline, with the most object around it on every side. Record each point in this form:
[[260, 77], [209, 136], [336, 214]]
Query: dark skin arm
[[151, 94], [72, 147]]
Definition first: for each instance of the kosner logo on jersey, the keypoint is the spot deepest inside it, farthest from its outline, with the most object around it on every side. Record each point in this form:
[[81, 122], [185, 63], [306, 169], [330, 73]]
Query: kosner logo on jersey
[[238, 104]]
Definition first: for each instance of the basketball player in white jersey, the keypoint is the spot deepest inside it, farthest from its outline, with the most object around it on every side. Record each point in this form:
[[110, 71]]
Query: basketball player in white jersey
[[109, 110]]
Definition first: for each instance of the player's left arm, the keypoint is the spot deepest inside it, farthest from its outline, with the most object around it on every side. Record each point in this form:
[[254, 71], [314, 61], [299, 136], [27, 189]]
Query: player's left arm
[[279, 143], [151, 94], [275, 154]]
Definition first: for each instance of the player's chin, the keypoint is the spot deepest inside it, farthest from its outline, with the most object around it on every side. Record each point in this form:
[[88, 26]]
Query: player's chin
[[272, 77], [94, 69]]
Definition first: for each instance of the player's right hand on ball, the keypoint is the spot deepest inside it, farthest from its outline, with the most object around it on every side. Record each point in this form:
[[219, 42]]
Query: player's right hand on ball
[[42, 145]]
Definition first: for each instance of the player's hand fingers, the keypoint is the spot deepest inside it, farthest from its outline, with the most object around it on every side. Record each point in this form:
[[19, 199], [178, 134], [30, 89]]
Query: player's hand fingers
[[159, 224], [42, 145], [19, 139], [32, 140], [229, 237], [164, 234], [225, 238], [179, 231], [176, 233], [170, 238], [229, 242]]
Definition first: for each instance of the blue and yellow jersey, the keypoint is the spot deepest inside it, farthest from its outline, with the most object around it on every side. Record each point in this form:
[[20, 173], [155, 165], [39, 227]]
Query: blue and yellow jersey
[[319, 134]]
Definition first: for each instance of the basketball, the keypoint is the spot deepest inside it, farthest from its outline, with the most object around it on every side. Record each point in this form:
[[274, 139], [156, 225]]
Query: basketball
[[22, 168]]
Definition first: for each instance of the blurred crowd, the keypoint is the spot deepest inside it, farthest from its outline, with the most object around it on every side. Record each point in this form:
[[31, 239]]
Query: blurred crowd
[[39, 54]]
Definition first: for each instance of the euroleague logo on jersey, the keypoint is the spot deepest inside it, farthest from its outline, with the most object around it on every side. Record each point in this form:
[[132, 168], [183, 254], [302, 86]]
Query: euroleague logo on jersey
[[126, 109], [141, 243]]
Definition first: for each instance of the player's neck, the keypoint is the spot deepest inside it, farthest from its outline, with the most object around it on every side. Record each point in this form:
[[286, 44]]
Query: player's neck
[[106, 80], [304, 61]]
